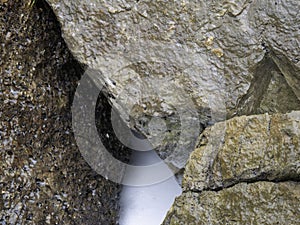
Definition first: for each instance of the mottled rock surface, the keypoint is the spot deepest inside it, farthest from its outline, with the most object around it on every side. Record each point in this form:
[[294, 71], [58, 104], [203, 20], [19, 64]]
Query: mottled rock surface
[[253, 203], [246, 148], [43, 177], [206, 60], [244, 170]]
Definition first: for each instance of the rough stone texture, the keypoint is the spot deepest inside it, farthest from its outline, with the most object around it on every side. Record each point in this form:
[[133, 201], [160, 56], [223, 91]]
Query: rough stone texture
[[223, 179], [254, 203], [43, 177], [246, 148], [213, 57], [278, 87]]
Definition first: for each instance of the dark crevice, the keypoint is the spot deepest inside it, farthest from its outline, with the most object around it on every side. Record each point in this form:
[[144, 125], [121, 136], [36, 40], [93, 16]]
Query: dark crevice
[[275, 83], [103, 115], [248, 181], [290, 73], [250, 102]]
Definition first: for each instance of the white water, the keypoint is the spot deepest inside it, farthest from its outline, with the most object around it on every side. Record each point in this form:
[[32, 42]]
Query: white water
[[147, 205]]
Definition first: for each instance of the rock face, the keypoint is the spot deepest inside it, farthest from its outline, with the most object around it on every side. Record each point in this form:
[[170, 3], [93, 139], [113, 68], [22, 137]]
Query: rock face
[[261, 147], [243, 171], [203, 60], [170, 68], [254, 203], [43, 177]]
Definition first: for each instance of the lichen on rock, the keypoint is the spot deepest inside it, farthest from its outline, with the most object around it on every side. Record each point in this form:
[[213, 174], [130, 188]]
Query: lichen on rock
[[187, 64], [244, 170], [258, 147], [254, 203]]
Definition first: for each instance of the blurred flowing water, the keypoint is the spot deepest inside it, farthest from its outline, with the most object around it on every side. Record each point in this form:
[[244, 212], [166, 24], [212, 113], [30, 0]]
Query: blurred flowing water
[[147, 205]]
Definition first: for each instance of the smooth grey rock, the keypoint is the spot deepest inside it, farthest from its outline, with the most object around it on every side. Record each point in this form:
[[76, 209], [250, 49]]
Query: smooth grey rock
[[207, 60]]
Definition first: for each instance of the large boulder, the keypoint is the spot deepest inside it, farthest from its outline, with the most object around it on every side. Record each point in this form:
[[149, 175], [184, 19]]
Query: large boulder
[[201, 60], [244, 169], [246, 148], [254, 203], [43, 177]]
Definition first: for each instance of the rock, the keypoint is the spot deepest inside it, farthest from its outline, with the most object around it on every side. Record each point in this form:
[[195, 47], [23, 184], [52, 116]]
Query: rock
[[201, 60], [278, 87], [239, 169], [43, 177], [246, 148], [253, 203]]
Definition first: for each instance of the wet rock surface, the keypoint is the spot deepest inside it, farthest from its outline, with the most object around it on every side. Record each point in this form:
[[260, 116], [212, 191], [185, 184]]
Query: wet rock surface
[[216, 58], [244, 170], [43, 177]]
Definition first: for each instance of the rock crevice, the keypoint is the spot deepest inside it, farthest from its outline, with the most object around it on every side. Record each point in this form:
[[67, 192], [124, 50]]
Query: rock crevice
[[245, 170]]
